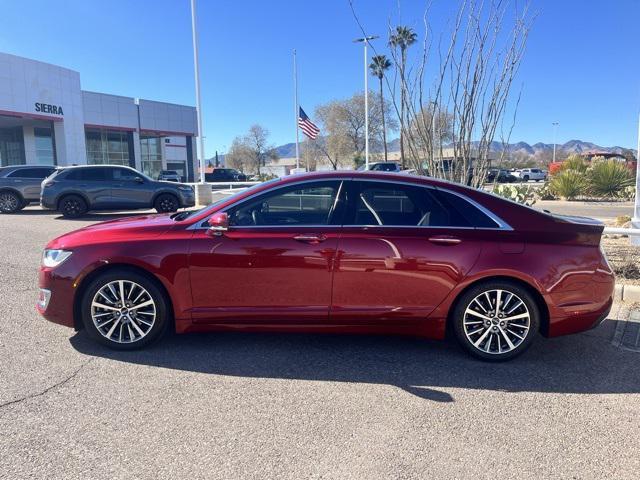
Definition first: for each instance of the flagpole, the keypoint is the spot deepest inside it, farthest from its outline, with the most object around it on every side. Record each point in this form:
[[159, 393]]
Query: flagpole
[[295, 94]]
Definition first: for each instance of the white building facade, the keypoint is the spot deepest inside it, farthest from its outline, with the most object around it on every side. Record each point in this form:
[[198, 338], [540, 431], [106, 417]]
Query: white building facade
[[46, 119]]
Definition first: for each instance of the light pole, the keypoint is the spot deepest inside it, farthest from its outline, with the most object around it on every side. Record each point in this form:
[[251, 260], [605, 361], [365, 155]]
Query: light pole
[[194, 34], [555, 134], [635, 221], [366, 40]]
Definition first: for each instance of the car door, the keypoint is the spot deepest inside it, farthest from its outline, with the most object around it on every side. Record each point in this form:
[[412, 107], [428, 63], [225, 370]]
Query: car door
[[402, 250], [129, 189], [27, 181], [93, 183], [274, 263]]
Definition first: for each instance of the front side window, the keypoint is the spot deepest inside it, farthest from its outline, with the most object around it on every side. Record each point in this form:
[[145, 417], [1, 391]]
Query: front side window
[[309, 204], [389, 204], [124, 174]]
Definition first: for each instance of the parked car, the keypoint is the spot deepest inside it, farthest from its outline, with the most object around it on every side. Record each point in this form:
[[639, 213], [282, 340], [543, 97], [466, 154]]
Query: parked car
[[382, 167], [169, 176], [20, 185], [335, 252], [526, 174], [225, 175], [500, 175], [73, 191]]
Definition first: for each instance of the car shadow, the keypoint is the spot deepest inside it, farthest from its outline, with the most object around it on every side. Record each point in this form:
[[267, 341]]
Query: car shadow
[[101, 217], [580, 364]]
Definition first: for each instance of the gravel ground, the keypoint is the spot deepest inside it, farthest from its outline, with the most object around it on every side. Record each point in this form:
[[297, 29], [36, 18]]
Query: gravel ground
[[299, 406]]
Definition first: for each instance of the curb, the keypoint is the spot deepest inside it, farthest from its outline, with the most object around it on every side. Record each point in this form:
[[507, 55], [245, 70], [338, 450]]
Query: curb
[[627, 293]]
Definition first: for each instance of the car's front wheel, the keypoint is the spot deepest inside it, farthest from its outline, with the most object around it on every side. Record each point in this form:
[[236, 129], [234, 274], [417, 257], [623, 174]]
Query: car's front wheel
[[496, 321], [124, 310], [10, 202], [166, 203]]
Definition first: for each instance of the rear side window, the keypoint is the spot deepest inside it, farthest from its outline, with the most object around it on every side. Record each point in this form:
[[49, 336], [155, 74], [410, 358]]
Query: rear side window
[[88, 174], [473, 215], [36, 172], [389, 204]]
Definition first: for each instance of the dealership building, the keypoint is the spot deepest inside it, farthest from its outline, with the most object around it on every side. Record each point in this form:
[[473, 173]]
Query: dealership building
[[47, 119]]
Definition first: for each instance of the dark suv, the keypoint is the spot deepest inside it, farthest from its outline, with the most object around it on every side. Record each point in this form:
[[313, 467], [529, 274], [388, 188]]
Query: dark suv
[[20, 185], [225, 175], [75, 190]]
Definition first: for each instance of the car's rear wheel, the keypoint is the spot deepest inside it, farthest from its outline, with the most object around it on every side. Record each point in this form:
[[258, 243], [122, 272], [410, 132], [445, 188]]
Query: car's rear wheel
[[525, 178], [73, 206], [10, 202], [166, 203], [124, 310], [496, 321]]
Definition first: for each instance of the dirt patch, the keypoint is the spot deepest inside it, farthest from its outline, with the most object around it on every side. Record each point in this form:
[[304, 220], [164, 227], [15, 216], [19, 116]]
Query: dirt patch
[[623, 257]]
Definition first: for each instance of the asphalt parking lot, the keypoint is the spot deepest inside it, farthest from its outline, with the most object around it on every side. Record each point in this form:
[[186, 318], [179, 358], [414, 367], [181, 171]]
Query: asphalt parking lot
[[300, 406]]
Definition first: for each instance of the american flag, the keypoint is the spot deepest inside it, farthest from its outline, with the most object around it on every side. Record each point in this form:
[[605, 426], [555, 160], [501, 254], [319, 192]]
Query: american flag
[[307, 126]]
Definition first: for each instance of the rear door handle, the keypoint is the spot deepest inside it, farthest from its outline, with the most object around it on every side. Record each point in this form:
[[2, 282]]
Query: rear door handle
[[444, 240], [310, 238]]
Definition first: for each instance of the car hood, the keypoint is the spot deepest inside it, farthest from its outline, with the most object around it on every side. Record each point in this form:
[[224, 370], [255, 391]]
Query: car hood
[[128, 228]]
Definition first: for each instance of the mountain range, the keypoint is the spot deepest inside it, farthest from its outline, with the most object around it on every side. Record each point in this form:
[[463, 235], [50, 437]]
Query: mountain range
[[288, 150]]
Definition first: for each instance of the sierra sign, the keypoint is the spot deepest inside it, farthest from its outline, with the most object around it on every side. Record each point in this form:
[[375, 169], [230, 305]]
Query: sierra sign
[[46, 108]]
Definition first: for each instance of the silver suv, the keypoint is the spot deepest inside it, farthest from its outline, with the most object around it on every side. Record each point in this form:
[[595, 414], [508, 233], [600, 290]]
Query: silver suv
[[73, 191], [20, 185]]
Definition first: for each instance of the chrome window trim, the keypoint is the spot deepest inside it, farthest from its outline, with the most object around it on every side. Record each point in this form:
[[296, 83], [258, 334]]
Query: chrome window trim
[[502, 225]]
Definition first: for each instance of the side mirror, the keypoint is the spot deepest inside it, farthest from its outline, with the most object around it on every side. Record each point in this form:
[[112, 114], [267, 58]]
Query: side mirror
[[218, 223]]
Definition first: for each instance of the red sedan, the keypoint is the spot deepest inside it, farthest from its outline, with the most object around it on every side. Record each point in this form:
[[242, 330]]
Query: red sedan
[[335, 252]]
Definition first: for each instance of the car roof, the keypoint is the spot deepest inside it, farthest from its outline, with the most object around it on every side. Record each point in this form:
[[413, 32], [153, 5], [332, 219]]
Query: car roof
[[75, 167]]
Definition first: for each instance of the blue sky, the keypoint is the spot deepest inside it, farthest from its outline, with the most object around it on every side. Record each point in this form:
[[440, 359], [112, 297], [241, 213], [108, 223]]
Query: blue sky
[[582, 66]]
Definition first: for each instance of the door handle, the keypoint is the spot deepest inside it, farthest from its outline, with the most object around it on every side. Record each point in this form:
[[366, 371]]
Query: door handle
[[444, 240], [310, 238]]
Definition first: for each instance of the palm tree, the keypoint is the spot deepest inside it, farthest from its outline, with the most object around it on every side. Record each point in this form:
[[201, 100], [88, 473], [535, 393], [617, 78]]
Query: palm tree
[[402, 39], [379, 65]]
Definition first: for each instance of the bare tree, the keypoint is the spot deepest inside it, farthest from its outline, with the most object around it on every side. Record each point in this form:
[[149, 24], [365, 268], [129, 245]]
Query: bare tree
[[342, 123], [256, 140], [469, 75], [239, 155]]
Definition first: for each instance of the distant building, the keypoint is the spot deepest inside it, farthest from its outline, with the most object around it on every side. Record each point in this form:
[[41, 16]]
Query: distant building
[[46, 119]]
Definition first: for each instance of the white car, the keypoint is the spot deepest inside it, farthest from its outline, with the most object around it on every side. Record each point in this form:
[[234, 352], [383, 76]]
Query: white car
[[526, 174]]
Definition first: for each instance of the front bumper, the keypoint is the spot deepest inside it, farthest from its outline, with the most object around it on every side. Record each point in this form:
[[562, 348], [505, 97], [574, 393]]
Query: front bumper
[[55, 302]]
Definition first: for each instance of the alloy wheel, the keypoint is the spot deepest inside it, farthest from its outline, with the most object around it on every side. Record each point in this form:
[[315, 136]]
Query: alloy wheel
[[72, 207], [8, 202], [496, 322], [123, 311]]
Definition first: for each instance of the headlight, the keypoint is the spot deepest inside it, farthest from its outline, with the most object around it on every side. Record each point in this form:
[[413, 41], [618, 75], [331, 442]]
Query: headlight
[[53, 258]]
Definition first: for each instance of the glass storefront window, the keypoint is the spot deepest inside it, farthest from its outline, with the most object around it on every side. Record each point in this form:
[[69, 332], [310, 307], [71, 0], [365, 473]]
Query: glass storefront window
[[107, 147], [151, 152], [11, 146], [45, 153]]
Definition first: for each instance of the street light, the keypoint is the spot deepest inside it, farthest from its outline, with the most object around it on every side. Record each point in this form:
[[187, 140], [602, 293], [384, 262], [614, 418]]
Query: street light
[[366, 40], [555, 134]]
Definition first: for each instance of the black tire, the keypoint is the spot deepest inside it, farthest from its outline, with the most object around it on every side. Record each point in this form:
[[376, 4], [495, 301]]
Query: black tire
[[486, 334], [10, 202], [160, 322], [72, 206], [166, 203], [525, 178]]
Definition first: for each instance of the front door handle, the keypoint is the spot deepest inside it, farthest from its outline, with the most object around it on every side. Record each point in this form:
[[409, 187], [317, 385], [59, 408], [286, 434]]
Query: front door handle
[[444, 240], [310, 238]]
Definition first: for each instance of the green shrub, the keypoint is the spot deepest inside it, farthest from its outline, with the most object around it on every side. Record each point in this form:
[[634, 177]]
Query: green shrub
[[574, 162], [568, 184], [525, 194], [545, 193], [608, 178]]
